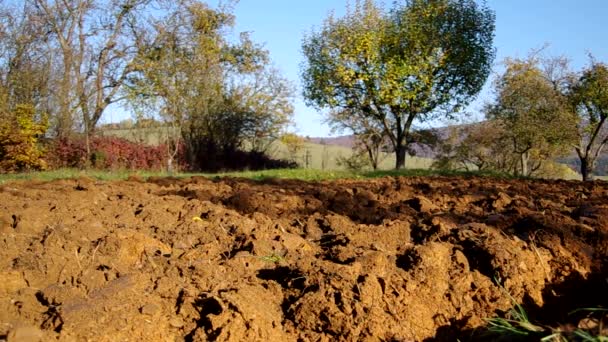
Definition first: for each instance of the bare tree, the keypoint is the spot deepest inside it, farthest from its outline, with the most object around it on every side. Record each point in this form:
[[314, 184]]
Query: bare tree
[[95, 54], [370, 136], [24, 64]]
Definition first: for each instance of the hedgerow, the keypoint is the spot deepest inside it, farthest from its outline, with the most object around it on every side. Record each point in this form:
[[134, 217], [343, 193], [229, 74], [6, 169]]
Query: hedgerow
[[109, 153]]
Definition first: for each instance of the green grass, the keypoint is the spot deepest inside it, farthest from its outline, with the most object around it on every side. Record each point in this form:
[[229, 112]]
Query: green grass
[[76, 173], [516, 325], [320, 175], [300, 174], [325, 157]]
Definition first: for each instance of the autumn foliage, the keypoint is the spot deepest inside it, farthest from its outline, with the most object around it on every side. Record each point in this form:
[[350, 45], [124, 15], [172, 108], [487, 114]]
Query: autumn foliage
[[109, 153], [20, 131]]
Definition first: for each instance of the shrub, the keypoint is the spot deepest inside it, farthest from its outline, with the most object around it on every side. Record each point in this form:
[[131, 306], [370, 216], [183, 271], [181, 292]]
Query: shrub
[[213, 159], [19, 134], [66, 153], [551, 169], [355, 162], [109, 153]]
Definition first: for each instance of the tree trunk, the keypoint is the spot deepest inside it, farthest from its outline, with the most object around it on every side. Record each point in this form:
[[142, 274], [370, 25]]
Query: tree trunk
[[402, 138], [400, 152], [375, 161], [524, 164], [88, 147], [372, 155], [170, 165], [585, 168]]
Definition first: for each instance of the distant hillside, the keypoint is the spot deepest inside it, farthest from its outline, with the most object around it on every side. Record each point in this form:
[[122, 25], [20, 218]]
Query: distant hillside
[[343, 141], [348, 141]]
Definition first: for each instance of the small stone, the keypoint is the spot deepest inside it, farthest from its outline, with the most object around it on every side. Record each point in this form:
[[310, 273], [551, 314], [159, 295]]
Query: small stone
[[176, 322], [149, 309]]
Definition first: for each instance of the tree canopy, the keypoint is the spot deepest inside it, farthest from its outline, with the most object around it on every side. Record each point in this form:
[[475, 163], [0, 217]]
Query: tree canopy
[[533, 110], [216, 94], [420, 59]]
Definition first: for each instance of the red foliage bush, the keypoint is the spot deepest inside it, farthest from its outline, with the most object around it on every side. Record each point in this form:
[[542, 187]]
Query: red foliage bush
[[110, 153]]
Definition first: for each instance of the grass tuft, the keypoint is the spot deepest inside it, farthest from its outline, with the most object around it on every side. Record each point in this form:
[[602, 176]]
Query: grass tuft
[[517, 325], [272, 258]]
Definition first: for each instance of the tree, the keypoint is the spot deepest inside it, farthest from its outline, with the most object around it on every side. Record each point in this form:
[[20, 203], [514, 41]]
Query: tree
[[24, 89], [83, 48], [294, 145], [257, 106], [177, 71], [373, 145], [215, 95], [590, 98], [533, 110], [421, 59], [94, 50], [24, 65], [357, 161], [87, 36]]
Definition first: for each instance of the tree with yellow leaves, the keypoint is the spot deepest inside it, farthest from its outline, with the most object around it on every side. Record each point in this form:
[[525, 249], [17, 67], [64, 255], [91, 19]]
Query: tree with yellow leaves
[[19, 145], [421, 59]]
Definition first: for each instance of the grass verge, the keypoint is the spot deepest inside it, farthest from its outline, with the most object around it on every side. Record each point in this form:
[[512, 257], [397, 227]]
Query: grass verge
[[300, 174]]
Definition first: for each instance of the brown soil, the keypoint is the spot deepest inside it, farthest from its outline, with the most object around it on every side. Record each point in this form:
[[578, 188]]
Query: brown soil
[[393, 259]]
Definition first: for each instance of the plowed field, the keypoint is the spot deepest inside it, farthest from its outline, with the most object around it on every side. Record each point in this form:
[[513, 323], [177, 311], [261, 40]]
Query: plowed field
[[391, 259]]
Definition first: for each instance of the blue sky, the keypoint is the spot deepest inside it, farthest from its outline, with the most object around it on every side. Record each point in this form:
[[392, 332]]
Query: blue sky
[[572, 28]]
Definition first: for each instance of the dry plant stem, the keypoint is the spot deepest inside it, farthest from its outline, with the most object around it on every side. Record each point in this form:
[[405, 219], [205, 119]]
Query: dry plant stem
[[540, 260], [154, 266], [77, 259], [94, 253]]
